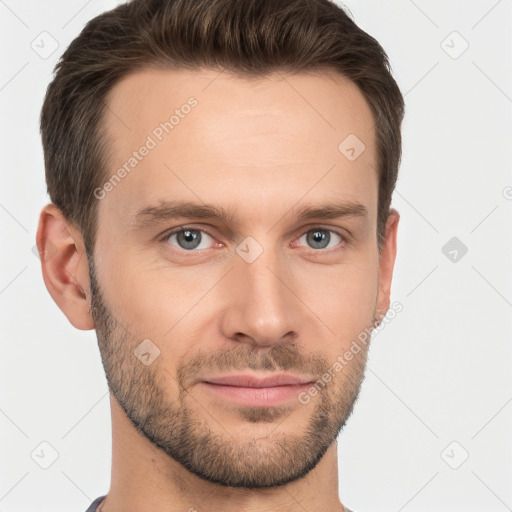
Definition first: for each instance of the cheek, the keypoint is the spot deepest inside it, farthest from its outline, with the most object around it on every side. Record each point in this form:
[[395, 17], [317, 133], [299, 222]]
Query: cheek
[[150, 299], [344, 299]]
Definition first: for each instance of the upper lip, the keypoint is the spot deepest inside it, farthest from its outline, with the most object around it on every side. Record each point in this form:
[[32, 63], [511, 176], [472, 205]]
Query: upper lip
[[255, 381]]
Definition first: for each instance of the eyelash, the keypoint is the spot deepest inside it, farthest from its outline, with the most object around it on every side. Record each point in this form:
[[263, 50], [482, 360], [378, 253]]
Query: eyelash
[[343, 242]]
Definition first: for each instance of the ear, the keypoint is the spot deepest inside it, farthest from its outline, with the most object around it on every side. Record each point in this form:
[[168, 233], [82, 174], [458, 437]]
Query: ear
[[387, 263], [64, 265]]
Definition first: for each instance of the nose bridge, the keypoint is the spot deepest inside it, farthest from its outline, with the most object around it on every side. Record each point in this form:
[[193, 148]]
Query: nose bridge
[[261, 306]]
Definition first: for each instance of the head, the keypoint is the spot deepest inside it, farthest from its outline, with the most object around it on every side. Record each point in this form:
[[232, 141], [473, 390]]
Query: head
[[221, 175]]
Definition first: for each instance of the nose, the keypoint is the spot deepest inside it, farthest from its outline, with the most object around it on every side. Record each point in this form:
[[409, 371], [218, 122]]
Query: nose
[[260, 307]]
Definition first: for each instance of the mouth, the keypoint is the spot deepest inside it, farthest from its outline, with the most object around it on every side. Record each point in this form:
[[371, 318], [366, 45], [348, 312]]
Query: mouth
[[251, 390]]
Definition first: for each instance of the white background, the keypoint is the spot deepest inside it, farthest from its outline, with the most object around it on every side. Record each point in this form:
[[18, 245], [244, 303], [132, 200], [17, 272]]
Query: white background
[[439, 373]]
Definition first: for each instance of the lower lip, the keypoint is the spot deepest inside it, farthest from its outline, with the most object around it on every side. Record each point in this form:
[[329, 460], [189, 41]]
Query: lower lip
[[254, 397]]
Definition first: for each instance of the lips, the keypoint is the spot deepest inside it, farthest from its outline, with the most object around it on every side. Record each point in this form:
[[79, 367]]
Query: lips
[[253, 381], [250, 390]]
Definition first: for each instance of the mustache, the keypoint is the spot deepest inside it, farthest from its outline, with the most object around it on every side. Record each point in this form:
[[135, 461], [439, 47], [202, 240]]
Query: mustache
[[278, 357]]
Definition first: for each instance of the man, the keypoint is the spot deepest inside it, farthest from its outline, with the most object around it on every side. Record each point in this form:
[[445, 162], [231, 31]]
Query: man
[[221, 174]]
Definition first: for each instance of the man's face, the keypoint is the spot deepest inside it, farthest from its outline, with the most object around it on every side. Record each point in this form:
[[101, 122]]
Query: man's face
[[208, 302]]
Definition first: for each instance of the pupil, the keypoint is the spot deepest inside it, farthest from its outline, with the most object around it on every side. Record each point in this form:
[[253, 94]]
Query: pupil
[[189, 239], [319, 238]]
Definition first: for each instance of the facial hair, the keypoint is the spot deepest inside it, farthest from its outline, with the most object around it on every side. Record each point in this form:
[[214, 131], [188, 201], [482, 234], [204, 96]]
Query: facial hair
[[175, 423]]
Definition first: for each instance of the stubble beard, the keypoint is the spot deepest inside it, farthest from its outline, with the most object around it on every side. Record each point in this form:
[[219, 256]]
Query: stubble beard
[[186, 433]]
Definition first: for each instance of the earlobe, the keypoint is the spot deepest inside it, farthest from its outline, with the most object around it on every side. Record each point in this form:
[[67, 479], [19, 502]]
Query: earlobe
[[64, 266], [387, 262]]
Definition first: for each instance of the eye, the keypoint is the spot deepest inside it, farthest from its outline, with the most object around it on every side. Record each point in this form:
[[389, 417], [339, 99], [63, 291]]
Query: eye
[[321, 238], [188, 239]]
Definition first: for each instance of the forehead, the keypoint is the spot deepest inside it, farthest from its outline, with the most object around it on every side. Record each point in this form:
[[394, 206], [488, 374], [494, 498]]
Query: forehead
[[325, 100], [207, 134]]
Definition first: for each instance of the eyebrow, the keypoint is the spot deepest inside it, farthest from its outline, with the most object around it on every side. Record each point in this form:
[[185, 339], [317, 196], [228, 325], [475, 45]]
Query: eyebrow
[[167, 210]]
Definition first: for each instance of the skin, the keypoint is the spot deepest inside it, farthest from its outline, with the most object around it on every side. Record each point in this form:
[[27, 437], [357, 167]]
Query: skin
[[262, 148]]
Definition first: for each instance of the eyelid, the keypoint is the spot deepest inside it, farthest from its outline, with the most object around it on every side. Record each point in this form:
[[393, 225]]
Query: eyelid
[[184, 227], [345, 238]]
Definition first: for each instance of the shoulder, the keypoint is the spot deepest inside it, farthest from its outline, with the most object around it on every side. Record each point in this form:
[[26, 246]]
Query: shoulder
[[96, 502]]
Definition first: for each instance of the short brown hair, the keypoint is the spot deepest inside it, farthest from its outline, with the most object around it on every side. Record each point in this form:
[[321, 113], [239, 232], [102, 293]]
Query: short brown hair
[[248, 37]]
